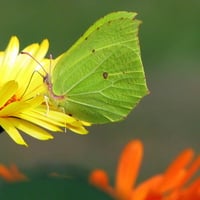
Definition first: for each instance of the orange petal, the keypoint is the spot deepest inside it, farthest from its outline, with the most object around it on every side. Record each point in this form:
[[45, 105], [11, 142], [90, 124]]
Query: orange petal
[[146, 189], [17, 175], [180, 162], [128, 167], [5, 173], [175, 173], [191, 171], [11, 174], [193, 191], [99, 178]]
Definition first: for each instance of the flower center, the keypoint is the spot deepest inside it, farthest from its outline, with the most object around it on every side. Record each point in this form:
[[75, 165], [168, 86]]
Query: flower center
[[12, 99]]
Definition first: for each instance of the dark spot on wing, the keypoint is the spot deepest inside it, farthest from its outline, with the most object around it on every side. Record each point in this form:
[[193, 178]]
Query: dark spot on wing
[[105, 75], [93, 50], [86, 38], [98, 28]]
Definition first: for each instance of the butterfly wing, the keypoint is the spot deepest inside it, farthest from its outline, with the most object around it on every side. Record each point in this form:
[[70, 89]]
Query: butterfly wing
[[102, 76]]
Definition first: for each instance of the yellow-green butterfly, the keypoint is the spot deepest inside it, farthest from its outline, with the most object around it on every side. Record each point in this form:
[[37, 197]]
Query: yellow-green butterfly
[[100, 79]]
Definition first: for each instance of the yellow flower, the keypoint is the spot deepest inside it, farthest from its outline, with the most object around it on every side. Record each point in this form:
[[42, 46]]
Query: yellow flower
[[170, 185], [22, 103]]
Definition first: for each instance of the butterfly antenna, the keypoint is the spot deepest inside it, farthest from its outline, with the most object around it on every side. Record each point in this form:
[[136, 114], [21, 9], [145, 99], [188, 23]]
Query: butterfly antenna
[[51, 58], [35, 71], [27, 53]]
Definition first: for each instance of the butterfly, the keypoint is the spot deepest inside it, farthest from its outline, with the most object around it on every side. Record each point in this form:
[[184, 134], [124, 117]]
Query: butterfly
[[100, 79]]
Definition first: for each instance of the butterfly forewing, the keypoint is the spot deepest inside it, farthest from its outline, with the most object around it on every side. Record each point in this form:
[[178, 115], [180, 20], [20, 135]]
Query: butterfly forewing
[[102, 76]]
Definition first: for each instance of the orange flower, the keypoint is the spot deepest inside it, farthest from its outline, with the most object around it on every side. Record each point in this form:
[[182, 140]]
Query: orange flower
[[11, 174], [170, 185]]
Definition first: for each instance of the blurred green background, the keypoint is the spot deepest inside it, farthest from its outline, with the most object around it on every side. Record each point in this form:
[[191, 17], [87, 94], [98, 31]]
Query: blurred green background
[[167, 121]]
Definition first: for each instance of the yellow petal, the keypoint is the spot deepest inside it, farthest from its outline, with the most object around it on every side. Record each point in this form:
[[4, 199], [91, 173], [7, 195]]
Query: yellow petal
[[7, 125], [1, 57], [13, 108], [7, 91], [8, 63], [45, 123], [31, 129], [77, 127]]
